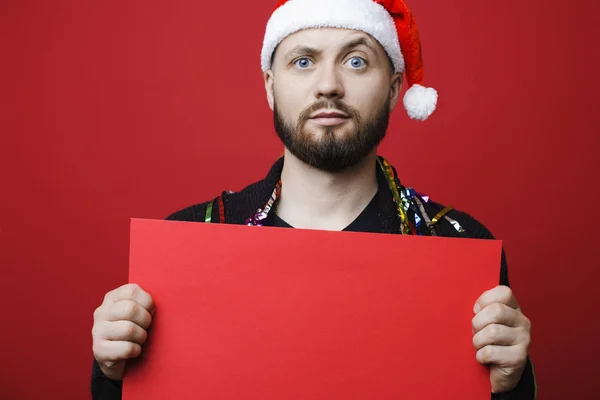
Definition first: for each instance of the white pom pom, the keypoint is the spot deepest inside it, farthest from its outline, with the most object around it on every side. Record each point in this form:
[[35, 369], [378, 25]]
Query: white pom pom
[[420, 102]]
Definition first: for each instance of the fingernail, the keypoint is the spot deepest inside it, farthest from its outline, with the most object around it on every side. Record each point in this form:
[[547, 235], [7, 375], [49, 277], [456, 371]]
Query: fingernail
[[477, 308]]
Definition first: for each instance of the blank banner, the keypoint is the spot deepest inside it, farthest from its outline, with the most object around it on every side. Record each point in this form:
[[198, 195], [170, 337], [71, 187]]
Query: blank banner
[[272, 313]]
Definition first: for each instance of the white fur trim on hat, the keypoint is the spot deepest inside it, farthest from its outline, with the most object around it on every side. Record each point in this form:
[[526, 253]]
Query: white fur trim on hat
[[362, 15]]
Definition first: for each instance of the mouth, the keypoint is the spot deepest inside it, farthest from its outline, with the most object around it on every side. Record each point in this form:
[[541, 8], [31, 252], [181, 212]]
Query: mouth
[[329, 118], [330, 114]]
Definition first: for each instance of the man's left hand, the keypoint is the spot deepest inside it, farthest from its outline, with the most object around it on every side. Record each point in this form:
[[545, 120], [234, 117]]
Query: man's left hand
[[502, 335]]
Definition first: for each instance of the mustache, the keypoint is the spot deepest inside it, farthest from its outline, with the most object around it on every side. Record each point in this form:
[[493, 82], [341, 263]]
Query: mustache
[[329, 104]]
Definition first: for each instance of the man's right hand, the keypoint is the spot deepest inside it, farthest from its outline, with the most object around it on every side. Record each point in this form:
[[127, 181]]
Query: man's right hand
[[120, 325]]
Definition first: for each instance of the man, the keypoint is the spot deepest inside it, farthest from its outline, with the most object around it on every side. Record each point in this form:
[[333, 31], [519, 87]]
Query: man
[[333, 73]]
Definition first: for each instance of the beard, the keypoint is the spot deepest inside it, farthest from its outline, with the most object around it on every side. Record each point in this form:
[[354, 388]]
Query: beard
[[332, 148]]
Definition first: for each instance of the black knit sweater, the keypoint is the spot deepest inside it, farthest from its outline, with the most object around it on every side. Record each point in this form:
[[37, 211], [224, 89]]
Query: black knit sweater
[[241, 205]]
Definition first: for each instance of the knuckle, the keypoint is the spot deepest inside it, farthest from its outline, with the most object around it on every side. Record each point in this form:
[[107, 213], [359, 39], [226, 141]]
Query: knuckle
[[99, 350], [131, 350], [133, 286], [98, 313], [98, 330], [506, 291], [129, 309], [482, 355], [488, 353], [150, 302], [527, 323], [129, 291], [96, 350], [128, 328], [128, 349], [493, 331], [143, 336], [526, 340], [496, 311], [149, 321], [108, 296], [477, 341]]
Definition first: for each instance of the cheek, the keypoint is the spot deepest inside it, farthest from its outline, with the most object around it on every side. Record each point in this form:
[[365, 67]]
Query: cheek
[[290, 101], [369, 101]]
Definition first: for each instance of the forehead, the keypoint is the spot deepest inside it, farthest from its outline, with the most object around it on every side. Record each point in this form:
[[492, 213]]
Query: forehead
[[325, 39]]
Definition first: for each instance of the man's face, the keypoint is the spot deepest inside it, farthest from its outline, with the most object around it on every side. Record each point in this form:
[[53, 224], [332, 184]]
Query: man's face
[[331, 91]]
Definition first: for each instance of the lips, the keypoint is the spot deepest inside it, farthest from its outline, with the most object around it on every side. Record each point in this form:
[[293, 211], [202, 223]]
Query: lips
[[332, 114], [329, 118]]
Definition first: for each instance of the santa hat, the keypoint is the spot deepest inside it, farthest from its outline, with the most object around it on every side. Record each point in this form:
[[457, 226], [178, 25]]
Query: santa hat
[[390, 22]]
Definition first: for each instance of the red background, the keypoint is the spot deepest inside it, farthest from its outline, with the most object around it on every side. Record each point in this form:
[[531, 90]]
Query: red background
[[113, 109]]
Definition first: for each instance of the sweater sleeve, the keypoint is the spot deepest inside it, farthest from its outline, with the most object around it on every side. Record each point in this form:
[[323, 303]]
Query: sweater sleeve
[[103, 388], [526, 389]]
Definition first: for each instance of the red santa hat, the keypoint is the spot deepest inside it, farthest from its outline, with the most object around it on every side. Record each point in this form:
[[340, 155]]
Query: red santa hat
[[390, 22]]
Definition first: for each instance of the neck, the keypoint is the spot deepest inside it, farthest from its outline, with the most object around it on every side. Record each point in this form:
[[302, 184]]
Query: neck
[[315, 199]]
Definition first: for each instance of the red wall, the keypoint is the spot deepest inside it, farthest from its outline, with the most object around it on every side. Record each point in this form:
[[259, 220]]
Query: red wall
[[113, 109]]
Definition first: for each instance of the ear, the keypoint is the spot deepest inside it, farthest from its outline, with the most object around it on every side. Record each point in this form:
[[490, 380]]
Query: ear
[[395, 89], [268, 77]]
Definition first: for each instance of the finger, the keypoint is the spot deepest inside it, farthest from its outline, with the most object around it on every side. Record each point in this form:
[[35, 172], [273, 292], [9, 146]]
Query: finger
[[114, 351], [129, 310], [495, 334], [124, 330], [496, 313], [502, 356], [133, 292], [499, 294]]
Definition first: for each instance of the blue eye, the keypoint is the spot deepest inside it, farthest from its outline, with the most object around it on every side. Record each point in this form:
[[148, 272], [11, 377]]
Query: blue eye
[[302, 63], [357, 62]]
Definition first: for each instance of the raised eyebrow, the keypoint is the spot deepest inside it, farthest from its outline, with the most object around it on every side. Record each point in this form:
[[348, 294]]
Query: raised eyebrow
[[311, 51], [301, 51], [362, 41]]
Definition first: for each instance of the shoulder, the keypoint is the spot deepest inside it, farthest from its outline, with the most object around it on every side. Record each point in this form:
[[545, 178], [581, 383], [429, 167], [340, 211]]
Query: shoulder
[[235, 207], [194, 213], [445, 226], [471, 228]]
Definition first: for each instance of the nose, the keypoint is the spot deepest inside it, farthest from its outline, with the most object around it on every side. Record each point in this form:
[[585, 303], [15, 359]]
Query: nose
[[329, 84]]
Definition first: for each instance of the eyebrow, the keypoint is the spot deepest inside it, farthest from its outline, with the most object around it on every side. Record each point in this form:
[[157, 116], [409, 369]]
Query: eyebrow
[[362, 41], [306, 50], [302, 51]]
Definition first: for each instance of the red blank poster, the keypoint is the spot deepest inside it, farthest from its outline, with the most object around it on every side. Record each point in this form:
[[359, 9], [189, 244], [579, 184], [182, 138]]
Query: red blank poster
[[273, 313]]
